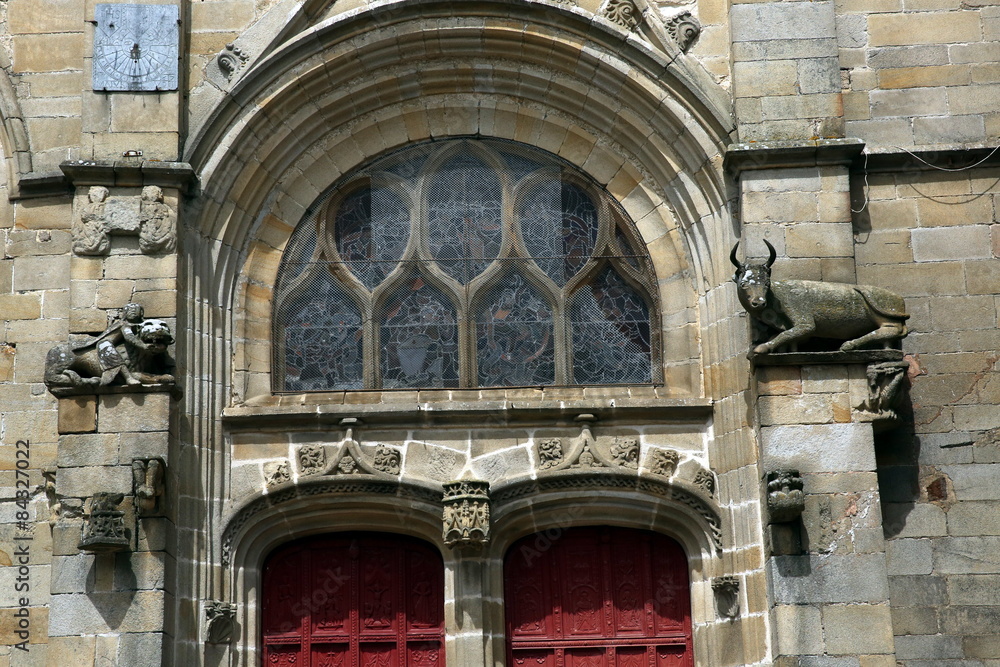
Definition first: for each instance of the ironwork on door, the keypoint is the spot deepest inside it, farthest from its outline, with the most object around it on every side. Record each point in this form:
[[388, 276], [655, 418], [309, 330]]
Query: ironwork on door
[[597, 597], [354, 600]]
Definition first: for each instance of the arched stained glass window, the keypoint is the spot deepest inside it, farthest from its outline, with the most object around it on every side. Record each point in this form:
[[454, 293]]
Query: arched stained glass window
[[464, 263]]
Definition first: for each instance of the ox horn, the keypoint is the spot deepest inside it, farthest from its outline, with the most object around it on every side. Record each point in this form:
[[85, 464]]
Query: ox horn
[[774, 254], [732, 256]]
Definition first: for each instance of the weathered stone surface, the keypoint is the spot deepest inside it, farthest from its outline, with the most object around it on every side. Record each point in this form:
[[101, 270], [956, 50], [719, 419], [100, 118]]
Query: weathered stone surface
[[78, 415], [908, 556], [799, 629], [929, 647], [828, 579], [857, 629], [821, 448]]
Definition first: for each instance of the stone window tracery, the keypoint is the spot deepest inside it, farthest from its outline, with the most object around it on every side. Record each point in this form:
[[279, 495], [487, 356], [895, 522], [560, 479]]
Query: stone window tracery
[[464, 263]]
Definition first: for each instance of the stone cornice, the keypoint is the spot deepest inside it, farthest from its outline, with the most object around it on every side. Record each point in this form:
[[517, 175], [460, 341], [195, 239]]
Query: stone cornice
[[791, 154], [486, 413], [133, 173]]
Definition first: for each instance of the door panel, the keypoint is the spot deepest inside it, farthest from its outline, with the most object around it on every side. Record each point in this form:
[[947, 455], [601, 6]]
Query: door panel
[[354, 600], [598, 597]]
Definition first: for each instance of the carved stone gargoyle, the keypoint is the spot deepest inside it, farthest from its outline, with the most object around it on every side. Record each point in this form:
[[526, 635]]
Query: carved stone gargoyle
[[798, 310], [105, 531], [785, 499], [130, 354]]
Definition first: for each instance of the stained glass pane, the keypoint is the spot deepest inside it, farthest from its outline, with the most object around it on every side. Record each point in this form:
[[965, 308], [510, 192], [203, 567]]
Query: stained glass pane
[[322, 337], [514, 337], [611, 333], [419, 338], [464, 217], [372, 226], [559, 227]]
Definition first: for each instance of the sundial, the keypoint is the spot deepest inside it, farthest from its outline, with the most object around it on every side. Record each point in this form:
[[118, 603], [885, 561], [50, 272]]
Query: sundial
[[135, 47]]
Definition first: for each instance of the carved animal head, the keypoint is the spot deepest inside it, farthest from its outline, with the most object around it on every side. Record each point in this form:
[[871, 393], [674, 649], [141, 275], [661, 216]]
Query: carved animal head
[[156, 333], [753, 281]]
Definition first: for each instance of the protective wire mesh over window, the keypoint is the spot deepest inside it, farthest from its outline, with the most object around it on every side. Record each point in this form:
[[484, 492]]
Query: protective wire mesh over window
[[464, 263]]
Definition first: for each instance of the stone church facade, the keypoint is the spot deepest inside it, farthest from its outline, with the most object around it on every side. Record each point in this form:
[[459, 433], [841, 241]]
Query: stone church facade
[[406, 333]]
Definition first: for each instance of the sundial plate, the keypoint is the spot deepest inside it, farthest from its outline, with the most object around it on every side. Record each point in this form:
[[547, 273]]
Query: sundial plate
[[135, 47]]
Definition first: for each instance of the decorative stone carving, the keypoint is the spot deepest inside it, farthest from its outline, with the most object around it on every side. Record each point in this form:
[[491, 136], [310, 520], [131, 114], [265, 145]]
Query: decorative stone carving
[[230, 59], [623, 12], [727, 596], [312, 459], [664, 462], [277, 473], [131, 353], [104, 215], [798, 310], [105, 529], [684, 28], [387, 460], [90, 234], [886, 382], [157, 222], [466, 513], [347, 465], [221, 622], [625, 452], [706, 481], [785, 499], [550, 452], [147, 485]]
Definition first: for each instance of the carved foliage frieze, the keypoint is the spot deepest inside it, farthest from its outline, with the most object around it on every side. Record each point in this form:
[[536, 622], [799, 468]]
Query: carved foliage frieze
[[276, 473], [312, 459], [663, 462], [684, 28], [550, 452], [466, 513], [705, 480], [624, 13], [625, 452]]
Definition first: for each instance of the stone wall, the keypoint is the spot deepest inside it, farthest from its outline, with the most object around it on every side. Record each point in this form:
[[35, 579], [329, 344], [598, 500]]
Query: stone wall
[[904, 517], [933, 237]]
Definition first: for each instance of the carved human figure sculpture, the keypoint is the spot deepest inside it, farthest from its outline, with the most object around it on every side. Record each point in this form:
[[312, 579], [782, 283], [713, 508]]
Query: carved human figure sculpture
[[156, 222], [90, 233], [132, 352]]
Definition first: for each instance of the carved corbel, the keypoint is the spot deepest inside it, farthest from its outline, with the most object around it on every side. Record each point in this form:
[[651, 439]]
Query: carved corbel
[[466, 514], [147, 485], [886, 390], [727, 596], [220, 622], [785, 499], [104, 531]]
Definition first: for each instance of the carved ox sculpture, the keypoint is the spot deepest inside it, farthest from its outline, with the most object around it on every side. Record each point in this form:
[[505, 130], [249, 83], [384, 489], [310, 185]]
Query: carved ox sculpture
[[803, 309]]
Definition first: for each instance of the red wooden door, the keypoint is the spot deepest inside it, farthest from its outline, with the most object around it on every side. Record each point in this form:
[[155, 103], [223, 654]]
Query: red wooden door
[[597, 597], [354, 600]]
